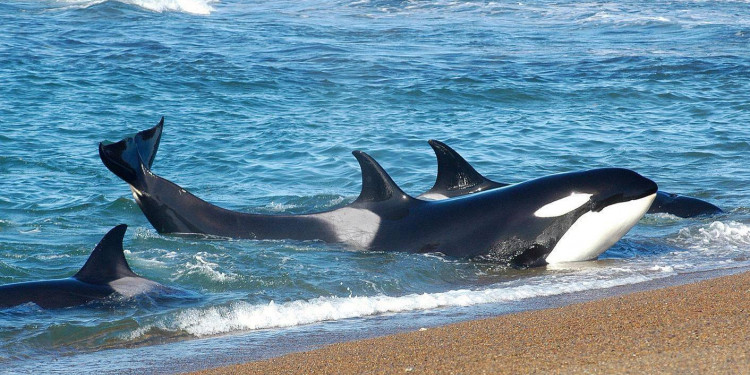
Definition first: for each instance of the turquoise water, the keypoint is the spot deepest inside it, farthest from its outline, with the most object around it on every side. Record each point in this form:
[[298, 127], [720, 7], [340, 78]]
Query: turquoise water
[[264, 101]]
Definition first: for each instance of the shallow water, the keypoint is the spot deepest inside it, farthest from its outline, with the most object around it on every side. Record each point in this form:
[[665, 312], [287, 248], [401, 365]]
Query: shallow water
[[264, 101]]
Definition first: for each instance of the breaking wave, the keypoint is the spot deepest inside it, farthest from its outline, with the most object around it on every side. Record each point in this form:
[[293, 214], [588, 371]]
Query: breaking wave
[[727, 236], [243, 316], [202, 7]]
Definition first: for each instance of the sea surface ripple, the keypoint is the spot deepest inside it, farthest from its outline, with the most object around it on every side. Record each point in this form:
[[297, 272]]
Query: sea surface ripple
[[263, 103]]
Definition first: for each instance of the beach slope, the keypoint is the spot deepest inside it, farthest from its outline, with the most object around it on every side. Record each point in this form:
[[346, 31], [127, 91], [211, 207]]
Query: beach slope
[[695, 328]]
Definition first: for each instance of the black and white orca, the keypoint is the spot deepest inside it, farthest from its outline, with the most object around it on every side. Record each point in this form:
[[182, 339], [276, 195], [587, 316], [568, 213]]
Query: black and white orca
[[106, 274], [457, 177], [565, 217]]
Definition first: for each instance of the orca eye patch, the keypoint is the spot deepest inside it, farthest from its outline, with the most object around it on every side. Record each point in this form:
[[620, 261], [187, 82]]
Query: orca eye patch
[[563, 205]]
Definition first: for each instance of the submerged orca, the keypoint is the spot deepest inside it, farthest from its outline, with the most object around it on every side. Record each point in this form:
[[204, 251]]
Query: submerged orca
[[564, 217], [106, 273], [457, 177]]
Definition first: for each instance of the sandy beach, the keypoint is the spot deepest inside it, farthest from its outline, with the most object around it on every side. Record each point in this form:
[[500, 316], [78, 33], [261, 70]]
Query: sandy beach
[[695, 328]]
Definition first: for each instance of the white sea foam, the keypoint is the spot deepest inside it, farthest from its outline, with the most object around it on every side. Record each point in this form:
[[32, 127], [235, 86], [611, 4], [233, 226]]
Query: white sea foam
[[243, 316], [657, 267], [731, 235], [30, 231], [144, 233], [53, 256], [709, 246], [187, 6], [150, 262], [279, 207], [666, 217], [206, 268], [622, 18]]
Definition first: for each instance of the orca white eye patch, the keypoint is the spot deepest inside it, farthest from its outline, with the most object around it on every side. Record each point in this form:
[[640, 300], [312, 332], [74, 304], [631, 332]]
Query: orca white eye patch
[[563, 205]]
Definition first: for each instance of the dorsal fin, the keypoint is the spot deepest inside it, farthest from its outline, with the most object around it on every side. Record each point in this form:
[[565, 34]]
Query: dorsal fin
[[107, 261], [377, 185], [455, 173]]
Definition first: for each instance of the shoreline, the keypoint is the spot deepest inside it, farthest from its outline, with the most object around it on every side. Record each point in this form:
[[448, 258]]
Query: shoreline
[[701, 327]]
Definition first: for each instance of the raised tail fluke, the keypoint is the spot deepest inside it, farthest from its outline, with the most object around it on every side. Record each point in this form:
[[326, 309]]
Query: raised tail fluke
[[132, 156]]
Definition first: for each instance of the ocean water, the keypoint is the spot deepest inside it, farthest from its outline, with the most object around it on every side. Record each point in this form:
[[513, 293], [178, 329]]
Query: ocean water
[[265, 100]]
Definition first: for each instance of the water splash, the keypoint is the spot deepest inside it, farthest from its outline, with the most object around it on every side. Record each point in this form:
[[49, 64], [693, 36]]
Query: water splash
[[731, 235], [202, 7], [205, 268]]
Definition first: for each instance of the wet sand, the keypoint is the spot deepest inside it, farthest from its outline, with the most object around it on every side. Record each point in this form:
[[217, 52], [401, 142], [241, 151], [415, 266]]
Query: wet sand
[[695, 328]]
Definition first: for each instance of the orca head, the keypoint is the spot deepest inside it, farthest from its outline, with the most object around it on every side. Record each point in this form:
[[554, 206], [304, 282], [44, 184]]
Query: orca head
[[580, 215]]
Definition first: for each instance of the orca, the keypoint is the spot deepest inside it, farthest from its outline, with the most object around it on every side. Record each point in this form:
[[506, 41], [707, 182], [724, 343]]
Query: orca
[[682, 206], [457, 177], [105, 274], [565, 217]]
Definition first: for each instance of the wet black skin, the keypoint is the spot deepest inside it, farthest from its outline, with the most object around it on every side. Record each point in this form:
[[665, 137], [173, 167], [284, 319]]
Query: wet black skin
[[682, 206], [456, 177], [52, 294], [498, 224], [105, 264]]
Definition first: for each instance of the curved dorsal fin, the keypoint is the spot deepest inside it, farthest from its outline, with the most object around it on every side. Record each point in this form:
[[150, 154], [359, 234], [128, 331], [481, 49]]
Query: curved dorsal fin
[[455, 173], [377, 185], [107, 261]]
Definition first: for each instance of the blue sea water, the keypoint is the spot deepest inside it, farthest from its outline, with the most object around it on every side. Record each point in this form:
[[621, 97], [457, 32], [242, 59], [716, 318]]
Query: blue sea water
[[264, 101]]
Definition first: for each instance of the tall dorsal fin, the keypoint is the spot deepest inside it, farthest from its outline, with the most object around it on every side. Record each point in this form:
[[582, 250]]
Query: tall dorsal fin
[[454, 172], [377, 185], [107, 261]]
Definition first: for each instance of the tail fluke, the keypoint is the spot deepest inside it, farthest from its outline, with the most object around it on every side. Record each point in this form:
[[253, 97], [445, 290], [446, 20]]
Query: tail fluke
[[132, 156]]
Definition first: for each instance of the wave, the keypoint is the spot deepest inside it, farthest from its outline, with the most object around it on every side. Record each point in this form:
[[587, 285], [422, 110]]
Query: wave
[[628, 19], [718, 235], [202, 7], [244, 316]]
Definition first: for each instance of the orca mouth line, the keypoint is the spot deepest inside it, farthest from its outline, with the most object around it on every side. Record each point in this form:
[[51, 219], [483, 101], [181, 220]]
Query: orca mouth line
[[620, 198]]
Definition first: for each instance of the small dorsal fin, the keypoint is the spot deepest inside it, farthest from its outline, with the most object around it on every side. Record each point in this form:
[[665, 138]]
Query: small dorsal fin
[[107, 261], [377, 185], [454, 172]]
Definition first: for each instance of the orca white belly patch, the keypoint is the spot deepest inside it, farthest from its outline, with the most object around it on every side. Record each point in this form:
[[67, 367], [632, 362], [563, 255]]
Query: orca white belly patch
[[595, 232]]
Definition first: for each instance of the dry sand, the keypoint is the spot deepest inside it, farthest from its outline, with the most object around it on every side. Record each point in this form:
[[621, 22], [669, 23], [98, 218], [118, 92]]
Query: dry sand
[[701, 328]]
